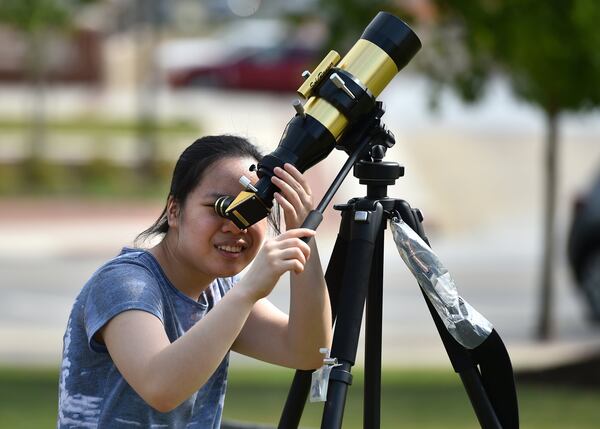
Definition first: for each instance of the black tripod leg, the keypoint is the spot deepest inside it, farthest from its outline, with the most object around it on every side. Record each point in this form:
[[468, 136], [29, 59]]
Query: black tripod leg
[[373, 340], [486, 371], [466, 368], [300, 387], [296, 399], [365, 227]]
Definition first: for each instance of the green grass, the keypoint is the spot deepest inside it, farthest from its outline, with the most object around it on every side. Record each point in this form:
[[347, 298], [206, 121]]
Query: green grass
[[424, 399], [28, 398]]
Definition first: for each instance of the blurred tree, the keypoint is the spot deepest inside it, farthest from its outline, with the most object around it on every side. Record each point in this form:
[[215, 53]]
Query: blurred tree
[[37, 19], [151, 18], [346, 20], [546, 51]]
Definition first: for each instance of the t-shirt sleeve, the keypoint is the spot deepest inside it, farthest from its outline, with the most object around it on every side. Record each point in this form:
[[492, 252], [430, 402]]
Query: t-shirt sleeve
[[225, 284], [115, 289]]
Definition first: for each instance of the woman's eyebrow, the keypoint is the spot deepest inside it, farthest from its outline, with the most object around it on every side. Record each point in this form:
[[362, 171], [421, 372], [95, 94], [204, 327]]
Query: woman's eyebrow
[[216, 195]]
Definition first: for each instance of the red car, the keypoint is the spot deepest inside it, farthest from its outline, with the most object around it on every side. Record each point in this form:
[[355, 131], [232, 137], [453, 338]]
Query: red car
[[273, 69]]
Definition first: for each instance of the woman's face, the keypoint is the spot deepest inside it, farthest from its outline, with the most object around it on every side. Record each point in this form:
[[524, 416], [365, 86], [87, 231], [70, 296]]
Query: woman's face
[[208, 243]]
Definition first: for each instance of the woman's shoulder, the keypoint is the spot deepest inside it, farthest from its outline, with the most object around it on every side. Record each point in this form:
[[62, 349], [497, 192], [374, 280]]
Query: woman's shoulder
[[127, 278], [136, 260], [129, 266]]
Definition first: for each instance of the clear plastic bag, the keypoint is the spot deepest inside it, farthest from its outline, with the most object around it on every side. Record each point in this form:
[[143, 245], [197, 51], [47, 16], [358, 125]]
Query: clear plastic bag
[[319, 384], [320, 378], [463, 322]]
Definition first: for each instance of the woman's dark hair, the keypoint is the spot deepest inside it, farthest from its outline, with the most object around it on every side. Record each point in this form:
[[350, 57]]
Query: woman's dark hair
[[189, 171]]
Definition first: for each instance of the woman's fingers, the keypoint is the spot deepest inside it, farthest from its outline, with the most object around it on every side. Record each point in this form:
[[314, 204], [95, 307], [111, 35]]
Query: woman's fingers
[[294, 183], [295, 195], [296, 233], [293, 177], [286, 252], [297, 176], [289, 193], [287, 207], [292, 265], [294, 243], [290, 246], [293, 253]]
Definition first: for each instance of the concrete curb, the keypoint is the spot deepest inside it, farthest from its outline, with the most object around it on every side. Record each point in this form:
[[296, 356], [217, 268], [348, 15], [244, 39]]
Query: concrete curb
[[241, 425]]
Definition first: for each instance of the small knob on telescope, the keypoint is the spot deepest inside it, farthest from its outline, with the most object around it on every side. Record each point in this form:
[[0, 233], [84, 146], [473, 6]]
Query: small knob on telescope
[[305, 74], [339, 82], [247, 184], [299, 108]]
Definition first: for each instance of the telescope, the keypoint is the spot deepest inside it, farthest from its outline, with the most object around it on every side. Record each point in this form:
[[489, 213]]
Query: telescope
[[340, 93]]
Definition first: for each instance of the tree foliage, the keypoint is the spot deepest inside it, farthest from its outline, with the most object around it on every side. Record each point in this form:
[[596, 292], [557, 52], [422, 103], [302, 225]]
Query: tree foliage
[[548, 51], [346, 20], [34, 15]]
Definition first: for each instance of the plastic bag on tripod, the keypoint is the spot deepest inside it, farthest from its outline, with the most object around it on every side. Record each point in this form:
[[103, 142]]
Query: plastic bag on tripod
[[463, 322]]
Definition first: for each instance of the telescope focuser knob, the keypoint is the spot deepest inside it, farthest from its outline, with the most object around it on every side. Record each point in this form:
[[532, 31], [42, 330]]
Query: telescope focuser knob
[[305, 74], [339, 82], [247, 184], [299, 108]]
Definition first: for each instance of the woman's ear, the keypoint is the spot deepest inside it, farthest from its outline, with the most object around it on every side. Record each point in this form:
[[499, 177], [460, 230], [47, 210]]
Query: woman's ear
[[172, 212]]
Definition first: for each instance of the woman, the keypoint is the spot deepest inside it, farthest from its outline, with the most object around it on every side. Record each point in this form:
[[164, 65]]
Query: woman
[[149, 335]]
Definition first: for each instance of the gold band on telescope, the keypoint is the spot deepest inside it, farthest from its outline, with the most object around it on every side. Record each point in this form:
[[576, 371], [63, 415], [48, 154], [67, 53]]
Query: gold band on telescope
[[370, 64]]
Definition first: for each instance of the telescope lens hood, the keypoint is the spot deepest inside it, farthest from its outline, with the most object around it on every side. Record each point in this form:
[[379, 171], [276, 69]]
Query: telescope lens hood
[[394, 36]]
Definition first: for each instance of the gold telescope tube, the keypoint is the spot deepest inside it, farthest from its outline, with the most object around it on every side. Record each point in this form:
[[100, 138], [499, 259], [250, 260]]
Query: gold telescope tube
[[367, 61]]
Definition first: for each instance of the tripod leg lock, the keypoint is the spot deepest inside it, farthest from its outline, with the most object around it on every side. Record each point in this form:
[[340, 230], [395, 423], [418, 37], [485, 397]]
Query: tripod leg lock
[[339, 374]]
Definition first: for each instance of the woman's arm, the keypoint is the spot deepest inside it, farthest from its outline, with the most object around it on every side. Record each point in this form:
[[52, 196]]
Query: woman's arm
[[310, 312], [164, 374], [293, 340]]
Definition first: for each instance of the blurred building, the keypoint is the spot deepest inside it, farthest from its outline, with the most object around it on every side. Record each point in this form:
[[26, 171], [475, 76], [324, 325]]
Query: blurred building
[[74, 57], [113, 42]]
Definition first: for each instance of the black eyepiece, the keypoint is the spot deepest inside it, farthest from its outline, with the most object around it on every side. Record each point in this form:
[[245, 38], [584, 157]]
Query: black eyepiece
[[222, 203]]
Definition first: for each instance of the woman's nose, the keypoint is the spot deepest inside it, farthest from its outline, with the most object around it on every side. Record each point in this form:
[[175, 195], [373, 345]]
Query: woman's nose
[[229, 226]]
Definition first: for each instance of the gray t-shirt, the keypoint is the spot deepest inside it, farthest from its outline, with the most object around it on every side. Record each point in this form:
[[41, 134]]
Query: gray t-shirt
[[92, 392]]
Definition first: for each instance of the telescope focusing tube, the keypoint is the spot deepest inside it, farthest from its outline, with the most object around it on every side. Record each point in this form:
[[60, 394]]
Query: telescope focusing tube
[[338, 93]]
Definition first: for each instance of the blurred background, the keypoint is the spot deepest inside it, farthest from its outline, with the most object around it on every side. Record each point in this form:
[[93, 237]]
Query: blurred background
[[496, 124]]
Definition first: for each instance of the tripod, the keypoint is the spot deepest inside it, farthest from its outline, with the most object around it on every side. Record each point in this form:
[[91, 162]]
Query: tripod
[[355, 280]]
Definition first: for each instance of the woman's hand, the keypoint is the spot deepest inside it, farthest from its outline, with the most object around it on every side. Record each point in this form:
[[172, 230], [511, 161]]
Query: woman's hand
[[295, 197], [286, 252]]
